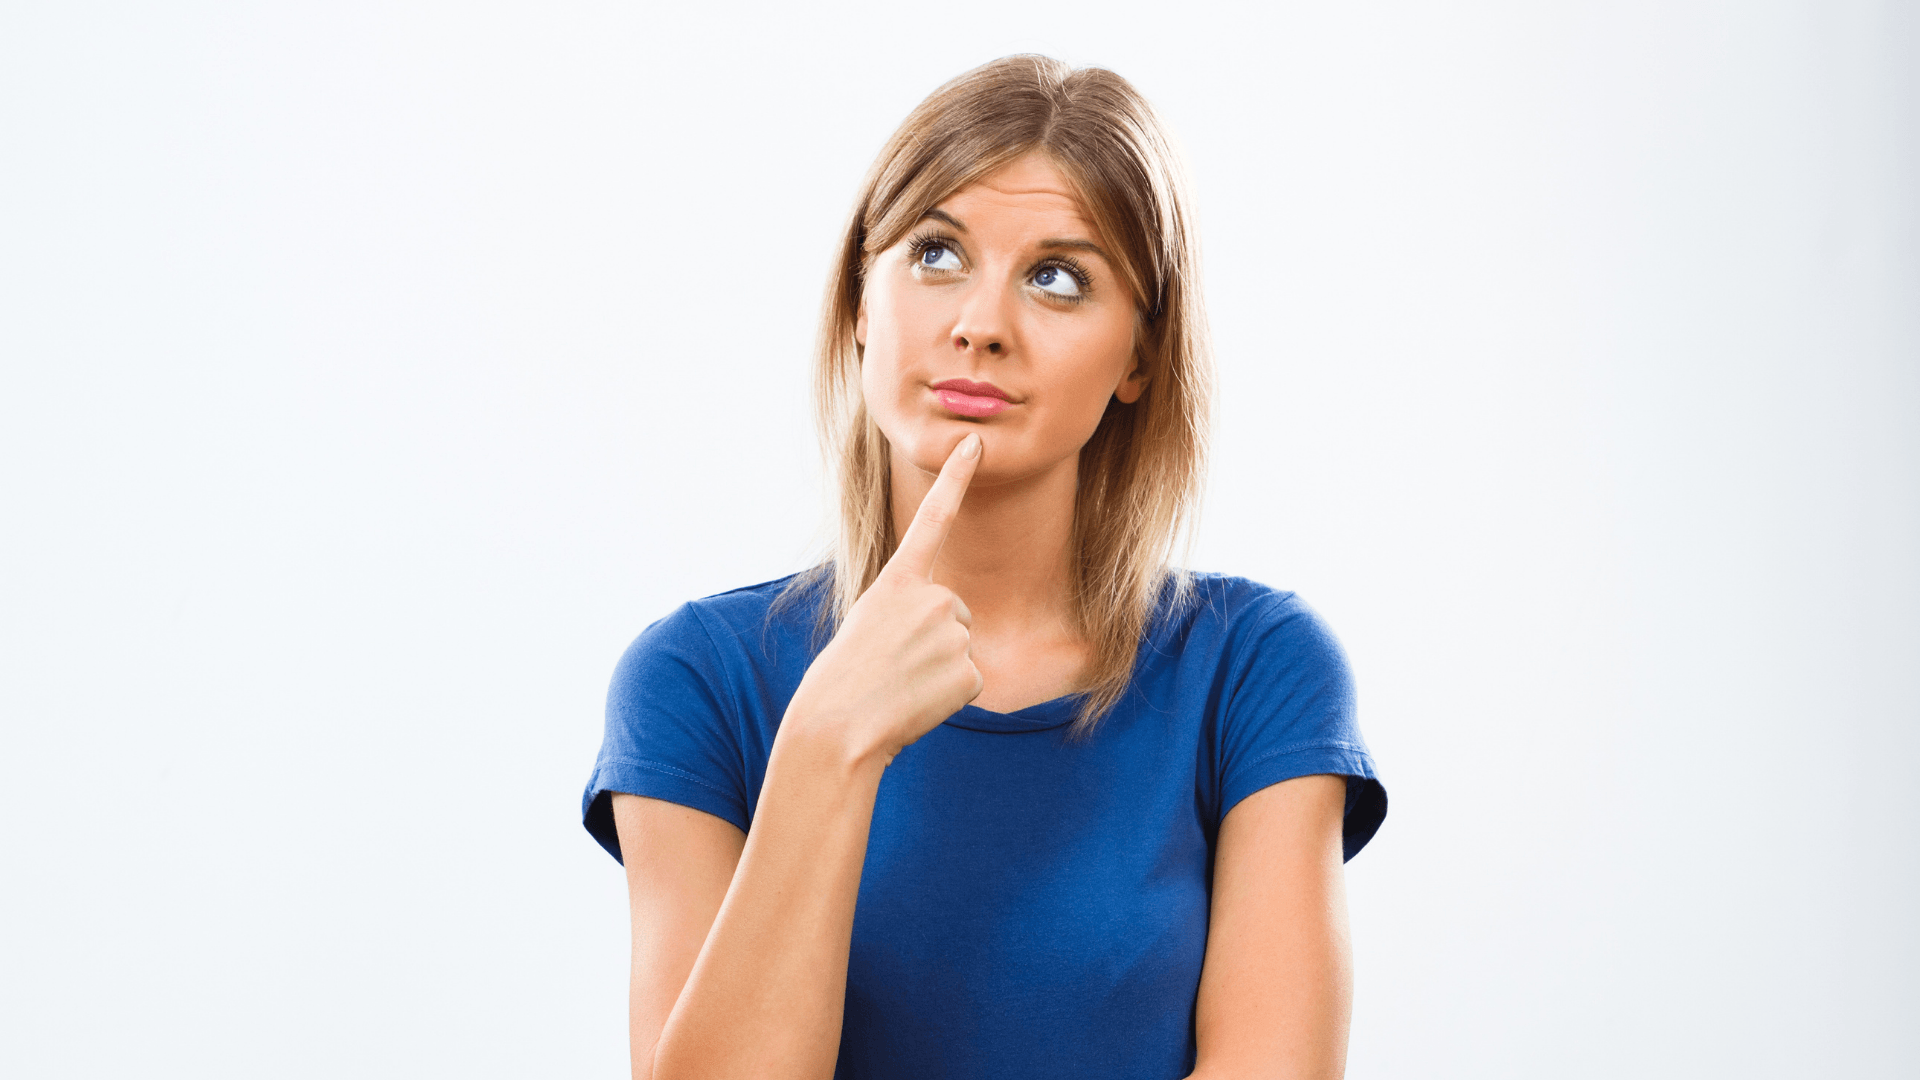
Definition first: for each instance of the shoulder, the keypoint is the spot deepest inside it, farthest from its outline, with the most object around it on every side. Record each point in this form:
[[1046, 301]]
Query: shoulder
[[751, 604], [1241, 613], [752, 625], [687, 712], [757, 597], [1260, 645], [785, 601], [1287, 699]]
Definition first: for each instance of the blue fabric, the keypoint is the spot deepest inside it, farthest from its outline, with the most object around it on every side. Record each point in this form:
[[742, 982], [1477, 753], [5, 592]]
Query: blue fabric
[[1029, 906]]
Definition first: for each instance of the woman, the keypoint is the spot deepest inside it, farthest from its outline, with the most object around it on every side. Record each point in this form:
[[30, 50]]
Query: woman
[[1022, 801]]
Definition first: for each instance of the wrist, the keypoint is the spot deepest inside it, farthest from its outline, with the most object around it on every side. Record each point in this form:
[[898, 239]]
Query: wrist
[[827, 743]]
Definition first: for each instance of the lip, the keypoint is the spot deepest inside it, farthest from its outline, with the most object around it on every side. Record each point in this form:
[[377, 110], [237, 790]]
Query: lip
[[968, 398], [973, 389]]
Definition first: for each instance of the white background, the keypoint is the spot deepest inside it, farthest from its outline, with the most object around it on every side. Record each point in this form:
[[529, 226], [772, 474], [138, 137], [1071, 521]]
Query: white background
[[373, 372]]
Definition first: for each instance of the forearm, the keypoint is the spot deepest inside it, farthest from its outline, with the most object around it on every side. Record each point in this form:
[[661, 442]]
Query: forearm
[[766, 996]]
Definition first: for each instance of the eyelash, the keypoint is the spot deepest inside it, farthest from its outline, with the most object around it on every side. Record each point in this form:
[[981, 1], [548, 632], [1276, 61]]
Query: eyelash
[[917, 248], [1073, 270]]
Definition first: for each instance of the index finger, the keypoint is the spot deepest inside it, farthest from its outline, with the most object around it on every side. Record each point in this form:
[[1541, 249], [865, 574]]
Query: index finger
[[930, 523]]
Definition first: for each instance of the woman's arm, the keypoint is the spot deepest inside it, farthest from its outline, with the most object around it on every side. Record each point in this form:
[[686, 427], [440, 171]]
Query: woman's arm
[[679, 863], [1276, 990], [761, 991], [740, 942]]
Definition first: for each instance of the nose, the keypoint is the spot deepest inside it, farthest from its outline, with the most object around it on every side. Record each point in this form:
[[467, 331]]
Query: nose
[[982, 325]]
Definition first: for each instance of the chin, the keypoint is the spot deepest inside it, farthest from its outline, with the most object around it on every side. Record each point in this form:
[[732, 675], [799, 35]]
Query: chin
[[926, 447]]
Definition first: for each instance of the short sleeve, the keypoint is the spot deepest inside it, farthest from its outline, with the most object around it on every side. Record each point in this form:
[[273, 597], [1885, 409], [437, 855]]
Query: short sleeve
[[1289, 712], [671, 730]]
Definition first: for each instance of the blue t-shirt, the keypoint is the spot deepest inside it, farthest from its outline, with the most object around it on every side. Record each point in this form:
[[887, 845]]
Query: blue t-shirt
[[1029, 906]]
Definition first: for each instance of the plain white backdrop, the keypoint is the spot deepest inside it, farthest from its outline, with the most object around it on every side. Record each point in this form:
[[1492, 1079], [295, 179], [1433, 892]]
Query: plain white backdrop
[[374, 372]]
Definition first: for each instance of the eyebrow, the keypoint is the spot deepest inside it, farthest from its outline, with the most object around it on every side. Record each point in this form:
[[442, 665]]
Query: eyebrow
[[1056, 244], [1075, 245], [942, 215]]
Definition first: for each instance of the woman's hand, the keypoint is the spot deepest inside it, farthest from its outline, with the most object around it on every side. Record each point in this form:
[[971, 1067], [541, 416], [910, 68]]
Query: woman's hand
[[741, 963], [900, 663]]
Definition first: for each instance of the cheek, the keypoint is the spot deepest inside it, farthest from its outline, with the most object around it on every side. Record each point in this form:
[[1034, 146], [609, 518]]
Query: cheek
[[904, 319], [903, 330], [1089, 365], [879, 379], [1098, 361], [883, 378], [880, 348]]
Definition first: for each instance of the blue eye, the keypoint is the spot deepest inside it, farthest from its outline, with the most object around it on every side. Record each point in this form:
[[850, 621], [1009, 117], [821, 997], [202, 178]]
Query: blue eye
[[1053, 279], [939, 257]]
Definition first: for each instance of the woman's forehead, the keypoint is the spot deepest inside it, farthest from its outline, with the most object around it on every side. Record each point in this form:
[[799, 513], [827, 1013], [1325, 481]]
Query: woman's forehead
[[1029, 190], [1032, 173]]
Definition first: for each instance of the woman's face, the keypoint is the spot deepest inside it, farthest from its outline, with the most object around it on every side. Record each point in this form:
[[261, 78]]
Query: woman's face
[[1001, 314]]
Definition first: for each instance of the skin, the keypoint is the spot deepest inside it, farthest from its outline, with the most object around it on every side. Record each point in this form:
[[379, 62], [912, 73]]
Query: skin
[[740, 942], [1060, 352]]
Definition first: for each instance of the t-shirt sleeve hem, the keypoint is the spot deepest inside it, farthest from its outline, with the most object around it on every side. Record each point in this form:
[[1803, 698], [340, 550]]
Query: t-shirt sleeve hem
[[655, 781], [1366, 798]]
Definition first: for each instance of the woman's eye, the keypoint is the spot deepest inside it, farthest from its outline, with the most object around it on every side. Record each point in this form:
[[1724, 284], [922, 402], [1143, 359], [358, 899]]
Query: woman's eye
[[1054, 280], [939, 257]]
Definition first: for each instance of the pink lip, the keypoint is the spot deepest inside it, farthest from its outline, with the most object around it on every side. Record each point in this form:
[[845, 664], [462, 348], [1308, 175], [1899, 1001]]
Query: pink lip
[[969, 398], [970, 404], [973, 389]]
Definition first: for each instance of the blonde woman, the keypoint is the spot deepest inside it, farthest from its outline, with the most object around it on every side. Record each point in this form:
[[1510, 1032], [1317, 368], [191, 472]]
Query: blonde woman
[[994, 792]]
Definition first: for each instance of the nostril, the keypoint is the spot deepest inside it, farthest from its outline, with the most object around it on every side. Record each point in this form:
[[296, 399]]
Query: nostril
[[994, 348]]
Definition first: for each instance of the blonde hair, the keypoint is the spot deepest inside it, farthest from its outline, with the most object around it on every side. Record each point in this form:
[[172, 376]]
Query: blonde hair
[[1140, 474]]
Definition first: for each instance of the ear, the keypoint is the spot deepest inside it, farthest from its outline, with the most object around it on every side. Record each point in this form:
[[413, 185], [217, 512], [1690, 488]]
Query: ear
[[860, 323], [1132, 386]]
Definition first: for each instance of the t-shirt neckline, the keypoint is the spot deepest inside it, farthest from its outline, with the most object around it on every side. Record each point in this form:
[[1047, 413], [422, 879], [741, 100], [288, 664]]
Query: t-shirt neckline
[[1048, 714]]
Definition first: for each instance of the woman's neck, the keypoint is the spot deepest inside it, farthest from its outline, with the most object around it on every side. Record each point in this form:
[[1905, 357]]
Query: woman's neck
[[1009, 553]]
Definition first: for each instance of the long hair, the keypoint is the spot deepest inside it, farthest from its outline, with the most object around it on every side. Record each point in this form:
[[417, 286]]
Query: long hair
[[1141, 473]]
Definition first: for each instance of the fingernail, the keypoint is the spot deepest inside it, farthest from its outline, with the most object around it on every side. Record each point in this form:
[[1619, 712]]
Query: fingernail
[[971, 447]]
